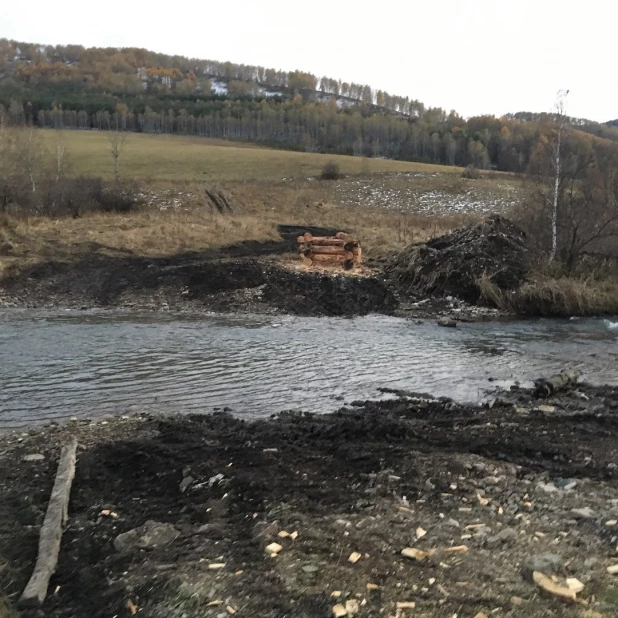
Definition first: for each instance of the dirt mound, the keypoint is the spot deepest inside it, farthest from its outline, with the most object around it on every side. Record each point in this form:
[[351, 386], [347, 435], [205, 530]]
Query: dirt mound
[[451, 265]]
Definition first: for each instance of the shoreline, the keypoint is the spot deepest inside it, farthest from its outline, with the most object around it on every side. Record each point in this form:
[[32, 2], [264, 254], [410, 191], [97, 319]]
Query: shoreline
[[513, 482]]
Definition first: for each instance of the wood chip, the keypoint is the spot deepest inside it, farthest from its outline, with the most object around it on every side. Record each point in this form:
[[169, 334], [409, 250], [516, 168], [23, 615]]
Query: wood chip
[[458, 549], [574, 584], [481, 615], [283, 534], [354, 557], [611, 522], [482, 500], [230, 610], [613, 569], [273, 549], [413, 553], [371, 587], [352, 607], [335, 593], [214, 603], [420, 533], [406, 604], [216, 565], [239, 572], [339, 611], [294, 535], [132, 607], [547, 584]]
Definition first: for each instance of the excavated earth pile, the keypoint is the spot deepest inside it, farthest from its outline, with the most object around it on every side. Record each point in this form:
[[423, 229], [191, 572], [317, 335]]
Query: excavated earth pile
[[453, 264]]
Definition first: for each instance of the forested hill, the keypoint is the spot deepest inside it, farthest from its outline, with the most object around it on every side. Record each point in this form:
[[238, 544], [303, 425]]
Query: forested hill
[[138, 90]]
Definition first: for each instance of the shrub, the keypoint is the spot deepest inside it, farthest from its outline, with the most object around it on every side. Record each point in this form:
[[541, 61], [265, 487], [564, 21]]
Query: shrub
[[471, 173], [330, 171]]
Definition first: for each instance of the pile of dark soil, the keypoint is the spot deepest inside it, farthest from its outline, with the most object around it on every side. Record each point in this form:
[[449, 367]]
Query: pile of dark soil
[[452, 265], [520, 484]]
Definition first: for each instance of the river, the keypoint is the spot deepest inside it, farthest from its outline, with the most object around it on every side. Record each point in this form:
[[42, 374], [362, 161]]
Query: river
[[58, 364]]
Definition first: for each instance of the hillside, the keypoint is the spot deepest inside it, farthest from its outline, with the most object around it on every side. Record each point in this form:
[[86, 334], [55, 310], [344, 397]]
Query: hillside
[[137, 90]]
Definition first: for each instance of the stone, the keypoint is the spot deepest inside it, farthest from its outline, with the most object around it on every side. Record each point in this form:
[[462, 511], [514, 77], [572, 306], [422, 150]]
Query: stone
[[265, 529], [543, 563], [447, 322], [212, 531], [151, 535], [186, 483], [34, 457], [566, 484], [504, 537], [583, 513], [548, 488], [516, 601], [452, 523]]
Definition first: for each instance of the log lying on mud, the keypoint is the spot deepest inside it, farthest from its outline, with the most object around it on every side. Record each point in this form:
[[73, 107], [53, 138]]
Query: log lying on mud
[[565, 380], [52, 528]]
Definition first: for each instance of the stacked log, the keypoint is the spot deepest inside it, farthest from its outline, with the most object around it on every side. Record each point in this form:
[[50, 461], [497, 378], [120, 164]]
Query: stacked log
[[342, 249]]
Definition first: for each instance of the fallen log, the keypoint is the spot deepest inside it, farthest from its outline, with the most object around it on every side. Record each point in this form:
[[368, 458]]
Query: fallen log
[[52, 528], [307, 261], [327, 250], [546, 387], [327, 242]]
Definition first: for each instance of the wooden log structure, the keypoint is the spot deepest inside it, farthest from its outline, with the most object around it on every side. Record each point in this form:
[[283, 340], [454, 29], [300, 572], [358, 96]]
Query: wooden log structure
[[342, 249], [52, 528], [330, 250]]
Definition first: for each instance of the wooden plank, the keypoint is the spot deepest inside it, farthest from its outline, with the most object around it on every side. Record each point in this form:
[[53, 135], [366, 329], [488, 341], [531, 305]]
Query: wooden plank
[[52, 528]]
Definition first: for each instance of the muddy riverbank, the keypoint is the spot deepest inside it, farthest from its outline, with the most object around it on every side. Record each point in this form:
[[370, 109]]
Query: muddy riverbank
[[498, 490], [249, 277]]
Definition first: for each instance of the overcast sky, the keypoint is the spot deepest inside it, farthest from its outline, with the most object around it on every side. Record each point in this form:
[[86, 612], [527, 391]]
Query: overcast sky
[[474, 56]]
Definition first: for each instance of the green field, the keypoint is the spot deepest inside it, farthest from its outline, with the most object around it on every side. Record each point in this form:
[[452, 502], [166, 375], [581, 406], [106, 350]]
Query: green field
[[198, 159]]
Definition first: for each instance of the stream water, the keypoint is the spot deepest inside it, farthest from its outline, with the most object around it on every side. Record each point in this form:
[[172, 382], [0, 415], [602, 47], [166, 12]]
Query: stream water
[[58, 364]]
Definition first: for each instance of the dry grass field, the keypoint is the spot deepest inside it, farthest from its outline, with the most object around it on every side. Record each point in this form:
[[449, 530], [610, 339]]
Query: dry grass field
[[388, 204]]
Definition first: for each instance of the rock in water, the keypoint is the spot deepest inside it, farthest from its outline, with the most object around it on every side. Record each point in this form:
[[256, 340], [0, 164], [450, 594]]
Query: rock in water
[[451, 265]]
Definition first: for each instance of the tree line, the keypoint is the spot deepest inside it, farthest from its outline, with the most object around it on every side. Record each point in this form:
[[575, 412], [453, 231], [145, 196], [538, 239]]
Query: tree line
[[134, 71]]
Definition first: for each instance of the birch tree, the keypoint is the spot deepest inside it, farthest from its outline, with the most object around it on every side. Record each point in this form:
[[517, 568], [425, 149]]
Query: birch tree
[[561, 122]]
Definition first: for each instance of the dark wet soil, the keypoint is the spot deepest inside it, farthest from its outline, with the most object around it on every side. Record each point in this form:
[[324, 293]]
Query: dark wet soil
[[242, 277], [373, 478]]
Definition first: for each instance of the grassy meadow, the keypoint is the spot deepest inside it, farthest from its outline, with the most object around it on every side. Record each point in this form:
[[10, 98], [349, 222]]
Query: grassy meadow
[[199, 159], [388, 204]]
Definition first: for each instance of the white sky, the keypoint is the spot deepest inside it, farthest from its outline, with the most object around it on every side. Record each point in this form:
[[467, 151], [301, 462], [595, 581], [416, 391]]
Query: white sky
[[474, 56]]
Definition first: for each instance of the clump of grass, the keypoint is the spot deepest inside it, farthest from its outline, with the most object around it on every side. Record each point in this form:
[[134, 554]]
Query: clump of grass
[[551, 296], [331, 171], [471, 173]]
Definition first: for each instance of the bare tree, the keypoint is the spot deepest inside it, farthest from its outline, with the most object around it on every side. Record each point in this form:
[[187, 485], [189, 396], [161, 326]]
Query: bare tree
[[561, 122], [117, 141]]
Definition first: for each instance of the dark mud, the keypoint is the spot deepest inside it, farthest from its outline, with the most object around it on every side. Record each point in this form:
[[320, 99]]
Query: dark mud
[[453, 264], [242, 277], [365, 480]]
